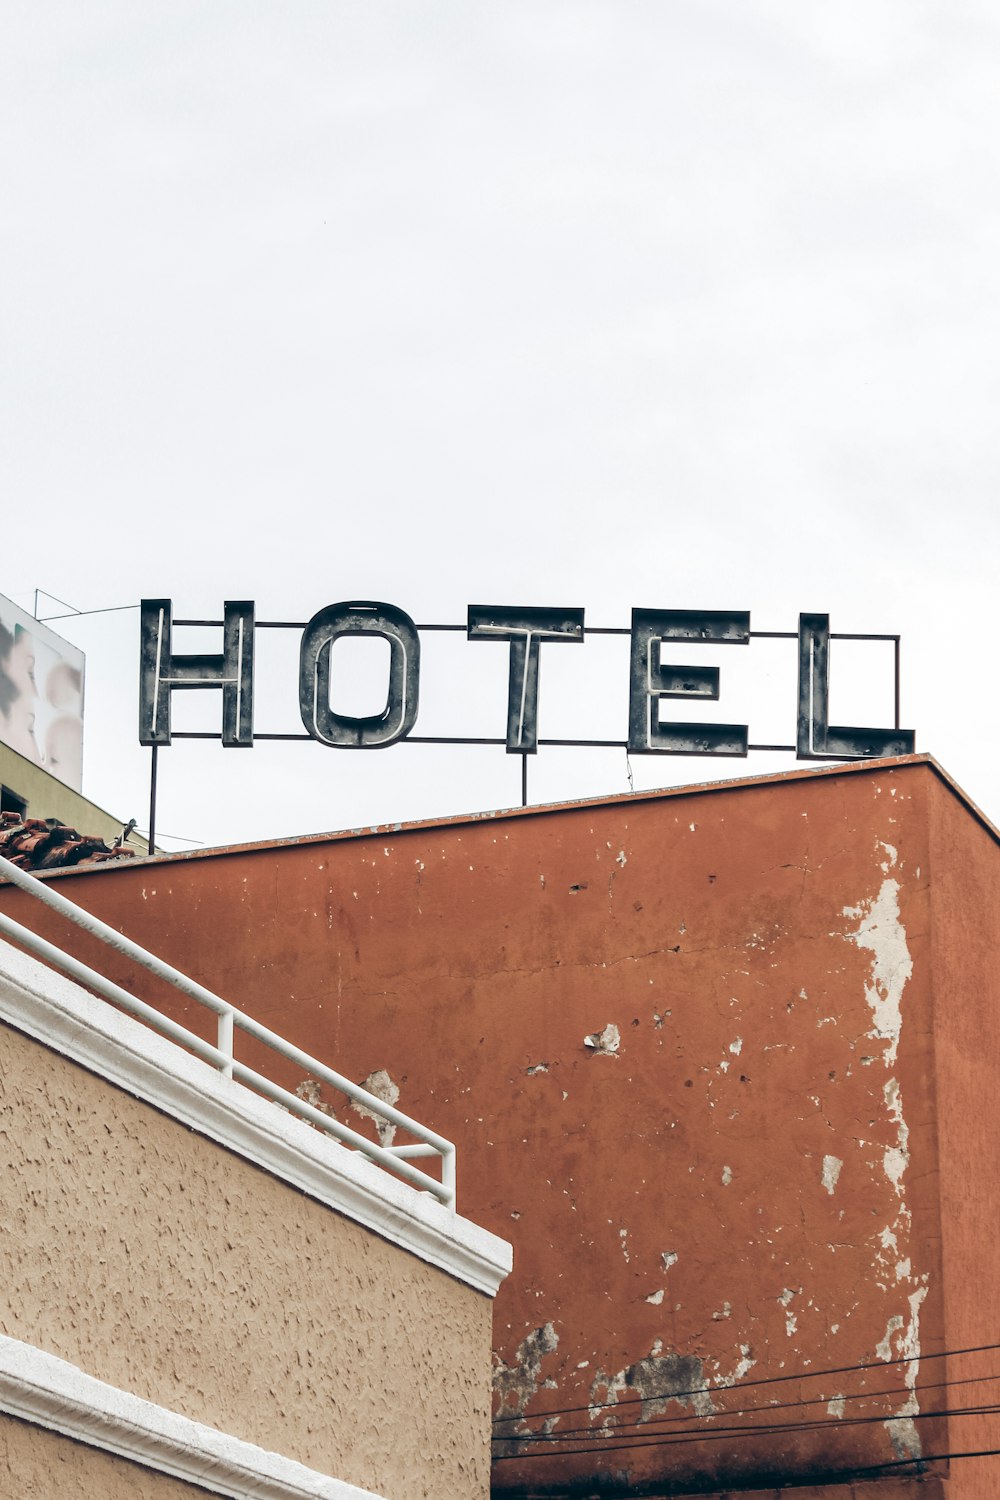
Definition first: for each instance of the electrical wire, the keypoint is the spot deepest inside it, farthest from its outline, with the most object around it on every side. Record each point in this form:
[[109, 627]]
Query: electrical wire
[[929, 1458], [744, 1385], [653, 1424], [630, 1442], [109, 609]]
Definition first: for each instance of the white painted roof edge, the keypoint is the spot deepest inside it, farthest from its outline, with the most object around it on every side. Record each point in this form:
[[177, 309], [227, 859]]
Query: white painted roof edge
[[89, 1031], [49, 1392]]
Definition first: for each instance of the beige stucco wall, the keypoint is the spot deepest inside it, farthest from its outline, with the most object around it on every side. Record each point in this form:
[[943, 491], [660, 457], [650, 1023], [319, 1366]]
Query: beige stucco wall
[[163, 1264], [40, 1465]]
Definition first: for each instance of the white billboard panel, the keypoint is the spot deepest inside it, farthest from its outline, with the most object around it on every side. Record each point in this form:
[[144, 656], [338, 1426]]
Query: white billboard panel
[[41, 695]]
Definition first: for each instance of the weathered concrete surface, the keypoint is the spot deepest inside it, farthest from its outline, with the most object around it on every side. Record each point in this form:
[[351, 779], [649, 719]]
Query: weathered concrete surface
[[691, 1048]]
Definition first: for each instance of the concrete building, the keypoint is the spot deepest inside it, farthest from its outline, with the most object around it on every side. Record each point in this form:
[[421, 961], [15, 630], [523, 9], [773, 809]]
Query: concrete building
[[30, 791], [201, 1293], [719, 1061], [42, 729]]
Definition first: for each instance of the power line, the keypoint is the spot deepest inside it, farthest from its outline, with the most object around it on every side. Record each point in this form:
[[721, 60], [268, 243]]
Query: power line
[[181, 838], [629, 1442], [687, 1418], [73, 611], [930, 1458], [110, 609], [702, 1390]]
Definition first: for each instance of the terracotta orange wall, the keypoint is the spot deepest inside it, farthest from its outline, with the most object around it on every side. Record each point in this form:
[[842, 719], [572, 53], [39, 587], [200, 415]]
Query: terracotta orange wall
[[965, 927], [739, 1184]]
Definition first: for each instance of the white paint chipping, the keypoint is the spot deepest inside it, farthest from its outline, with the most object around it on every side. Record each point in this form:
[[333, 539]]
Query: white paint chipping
[[382, 1086], [727, 1176], [881, 932], [896, 1158], [607, 1041], [655, 1297], [884, 1346], [901, 1428], [791, 1321], [743, 1367], [831, 1172], [835, 1407]]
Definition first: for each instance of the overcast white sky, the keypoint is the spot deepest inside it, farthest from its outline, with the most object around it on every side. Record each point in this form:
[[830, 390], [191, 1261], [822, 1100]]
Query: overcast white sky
[[603, 304]]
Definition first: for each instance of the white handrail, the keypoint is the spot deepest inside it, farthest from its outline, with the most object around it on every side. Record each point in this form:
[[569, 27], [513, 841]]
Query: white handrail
[[394, 1158]]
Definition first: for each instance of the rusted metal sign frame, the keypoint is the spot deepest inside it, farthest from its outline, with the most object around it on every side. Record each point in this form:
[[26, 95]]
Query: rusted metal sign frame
[[524, 629]]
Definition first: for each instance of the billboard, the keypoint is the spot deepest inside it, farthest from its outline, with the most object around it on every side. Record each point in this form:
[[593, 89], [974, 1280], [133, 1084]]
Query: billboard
[[41, 695]]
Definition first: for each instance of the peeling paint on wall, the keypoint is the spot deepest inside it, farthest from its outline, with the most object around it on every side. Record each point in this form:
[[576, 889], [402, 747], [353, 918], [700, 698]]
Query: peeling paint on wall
[[742, 1368], [832, 1166], [516, 1383], [896, 1158], [901, 1428], [791, 1319], [658, 1380], [381, 1085], [607, 1041], [310, 1090], [880, 931]]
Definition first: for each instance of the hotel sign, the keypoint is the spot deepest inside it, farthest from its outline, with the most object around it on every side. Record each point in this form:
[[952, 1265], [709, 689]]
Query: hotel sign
[[660, 679]]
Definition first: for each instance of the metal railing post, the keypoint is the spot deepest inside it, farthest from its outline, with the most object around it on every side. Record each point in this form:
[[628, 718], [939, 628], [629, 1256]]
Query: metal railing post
[[449, 1176], [224, 1041]]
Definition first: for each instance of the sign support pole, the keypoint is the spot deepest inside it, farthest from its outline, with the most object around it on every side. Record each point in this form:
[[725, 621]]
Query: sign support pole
[[152, 799]]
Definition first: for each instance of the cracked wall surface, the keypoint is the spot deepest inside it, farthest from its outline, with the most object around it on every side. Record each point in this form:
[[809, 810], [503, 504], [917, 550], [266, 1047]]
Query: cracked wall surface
[[686, 1045]]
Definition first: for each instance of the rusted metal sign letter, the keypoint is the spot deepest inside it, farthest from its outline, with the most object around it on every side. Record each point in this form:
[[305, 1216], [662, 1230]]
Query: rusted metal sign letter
[[161, 671], [816, 739], [526, 629], [400, 712], [651, 680]]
